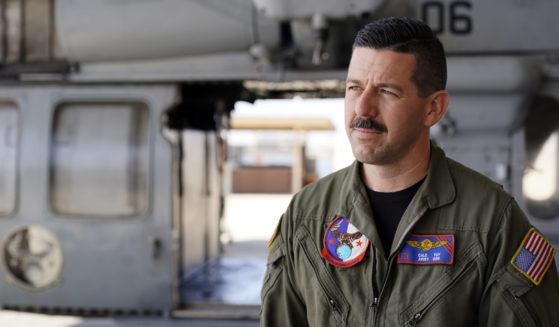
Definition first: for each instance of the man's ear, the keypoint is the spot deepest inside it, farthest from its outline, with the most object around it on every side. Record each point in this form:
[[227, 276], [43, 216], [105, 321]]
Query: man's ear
[[435, 107]]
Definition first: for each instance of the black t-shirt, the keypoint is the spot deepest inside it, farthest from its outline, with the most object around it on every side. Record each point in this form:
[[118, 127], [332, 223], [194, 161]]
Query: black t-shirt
[[388, 209]]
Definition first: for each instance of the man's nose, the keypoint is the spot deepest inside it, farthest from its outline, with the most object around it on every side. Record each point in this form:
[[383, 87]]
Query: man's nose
[[367, 104]]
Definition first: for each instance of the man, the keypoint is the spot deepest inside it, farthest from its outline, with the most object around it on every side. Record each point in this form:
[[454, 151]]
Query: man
[[405, 236]]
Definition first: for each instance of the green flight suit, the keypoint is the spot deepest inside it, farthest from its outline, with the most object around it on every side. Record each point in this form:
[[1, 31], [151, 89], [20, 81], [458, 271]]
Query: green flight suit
[[480, 288]]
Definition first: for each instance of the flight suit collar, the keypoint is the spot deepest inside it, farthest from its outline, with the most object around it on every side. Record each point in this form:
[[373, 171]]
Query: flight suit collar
[[436, 191]]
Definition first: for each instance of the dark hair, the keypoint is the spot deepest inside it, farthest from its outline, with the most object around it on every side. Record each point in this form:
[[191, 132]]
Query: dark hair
[[406, 35]]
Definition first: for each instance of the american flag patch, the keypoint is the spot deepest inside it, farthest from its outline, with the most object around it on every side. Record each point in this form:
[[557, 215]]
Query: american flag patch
[[534, 256]]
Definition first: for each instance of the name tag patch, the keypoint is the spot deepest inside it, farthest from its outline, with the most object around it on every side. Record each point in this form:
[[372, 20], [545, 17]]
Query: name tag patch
[[534, 256], [428, 250]]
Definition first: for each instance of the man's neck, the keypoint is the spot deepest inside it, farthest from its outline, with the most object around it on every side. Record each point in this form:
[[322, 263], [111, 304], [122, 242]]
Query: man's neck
[[396, 177]]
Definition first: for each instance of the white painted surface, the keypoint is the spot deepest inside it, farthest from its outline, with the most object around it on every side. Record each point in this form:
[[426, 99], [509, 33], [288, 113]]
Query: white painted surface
[[252, 216]]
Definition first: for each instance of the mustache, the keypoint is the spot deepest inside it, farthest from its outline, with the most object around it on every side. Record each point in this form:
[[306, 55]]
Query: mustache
[[368, 124]]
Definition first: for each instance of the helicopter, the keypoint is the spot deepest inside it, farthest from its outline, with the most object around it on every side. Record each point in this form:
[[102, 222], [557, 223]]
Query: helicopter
[[113, 115]]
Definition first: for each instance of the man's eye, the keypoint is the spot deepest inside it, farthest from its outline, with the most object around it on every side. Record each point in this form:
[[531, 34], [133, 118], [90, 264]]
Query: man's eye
[[387, 92], [354, 88]]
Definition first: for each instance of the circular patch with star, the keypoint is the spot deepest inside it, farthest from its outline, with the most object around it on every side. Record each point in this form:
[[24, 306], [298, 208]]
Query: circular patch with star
[[343, 246]]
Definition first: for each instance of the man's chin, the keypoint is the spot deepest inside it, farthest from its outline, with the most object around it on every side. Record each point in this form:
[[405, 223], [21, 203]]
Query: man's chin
[[370, 158], [373, 155]]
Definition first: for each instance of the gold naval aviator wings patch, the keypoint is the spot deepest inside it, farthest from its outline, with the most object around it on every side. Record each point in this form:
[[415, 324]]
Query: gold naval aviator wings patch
[[426, 244]]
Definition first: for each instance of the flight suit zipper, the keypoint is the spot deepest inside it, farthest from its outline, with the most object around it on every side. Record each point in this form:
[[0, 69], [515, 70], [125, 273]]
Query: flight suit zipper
[[374, 308], [375, 291], [533, 320], [334, 307], [415, 319], [377, 299]]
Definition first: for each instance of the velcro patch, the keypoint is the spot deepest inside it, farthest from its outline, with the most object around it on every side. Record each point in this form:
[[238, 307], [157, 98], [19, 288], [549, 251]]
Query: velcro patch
[[428, 250], [534, 256], [343, 246], [275, 233]]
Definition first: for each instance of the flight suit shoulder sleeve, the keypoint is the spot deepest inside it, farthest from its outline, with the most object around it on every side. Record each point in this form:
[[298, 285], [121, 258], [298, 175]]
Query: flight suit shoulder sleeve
[[523, 286], [281, 306]]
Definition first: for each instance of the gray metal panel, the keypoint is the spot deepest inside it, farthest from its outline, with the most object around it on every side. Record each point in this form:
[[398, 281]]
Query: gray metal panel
[[85, 132], [215, 191], [487, 153], [493, 74], [494, 26], [214, 67], [92, 30], [9, 151], [201, 198], [488, 94], [474, 112], [283, 10], [94, 274], [194, 173]]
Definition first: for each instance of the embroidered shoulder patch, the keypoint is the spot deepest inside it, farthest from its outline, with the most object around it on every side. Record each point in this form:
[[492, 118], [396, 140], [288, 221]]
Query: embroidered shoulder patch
[[534, 256], [275, 233], [428, 250], [343, 246]]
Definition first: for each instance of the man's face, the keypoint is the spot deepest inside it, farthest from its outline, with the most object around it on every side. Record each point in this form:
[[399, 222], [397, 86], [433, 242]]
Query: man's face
[[384, 116]]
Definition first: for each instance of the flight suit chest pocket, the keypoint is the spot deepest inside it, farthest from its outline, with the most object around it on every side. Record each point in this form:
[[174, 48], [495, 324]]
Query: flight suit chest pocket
[[326, 304], [455, 286]]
